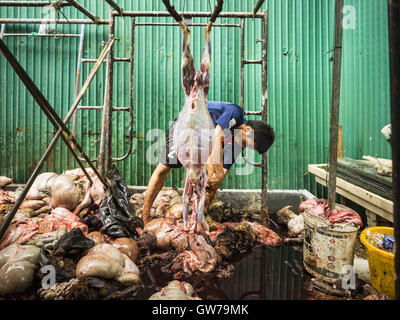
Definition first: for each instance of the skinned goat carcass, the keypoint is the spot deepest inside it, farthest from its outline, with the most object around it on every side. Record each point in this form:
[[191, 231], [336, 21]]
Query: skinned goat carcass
[[194, 130]]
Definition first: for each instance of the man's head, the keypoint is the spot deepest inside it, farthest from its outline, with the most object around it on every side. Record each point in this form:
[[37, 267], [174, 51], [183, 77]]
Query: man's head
[[257, 135]]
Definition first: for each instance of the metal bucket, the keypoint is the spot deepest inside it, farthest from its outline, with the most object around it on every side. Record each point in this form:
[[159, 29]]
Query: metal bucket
[[328, 250]]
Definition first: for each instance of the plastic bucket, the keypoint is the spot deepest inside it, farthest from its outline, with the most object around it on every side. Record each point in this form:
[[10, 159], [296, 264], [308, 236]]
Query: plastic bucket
[[381, 263], [328, 250]]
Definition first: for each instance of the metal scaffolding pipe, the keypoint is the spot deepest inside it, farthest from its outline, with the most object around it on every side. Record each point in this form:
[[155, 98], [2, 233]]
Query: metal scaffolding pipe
[[50, 112], [85, 11], [41, 35], [78, 76], [335, 103], [258, 6], [104, 159], [56, 21], [115, 6], [33, 3], [57, 123], [253, 113], [242, 63], [264, 72], [190, 14], [394, 43], [188, 24], [131, 84]]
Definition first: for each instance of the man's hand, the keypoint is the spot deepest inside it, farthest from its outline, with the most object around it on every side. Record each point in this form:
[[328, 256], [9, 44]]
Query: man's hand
[[215, 175]]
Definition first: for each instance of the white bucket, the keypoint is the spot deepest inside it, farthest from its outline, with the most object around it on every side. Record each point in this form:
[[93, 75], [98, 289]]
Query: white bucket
[[327, 250]]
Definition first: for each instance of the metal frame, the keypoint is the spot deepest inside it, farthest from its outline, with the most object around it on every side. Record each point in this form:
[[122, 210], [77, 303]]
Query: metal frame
[[104, 160], [394, 43], [62, 131]]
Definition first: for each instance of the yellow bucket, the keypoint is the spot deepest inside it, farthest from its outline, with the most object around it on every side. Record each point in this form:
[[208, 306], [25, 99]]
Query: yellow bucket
[[381, 263]]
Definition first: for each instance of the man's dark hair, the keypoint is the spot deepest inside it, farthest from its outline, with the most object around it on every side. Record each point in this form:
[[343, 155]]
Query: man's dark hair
[[264, 135]]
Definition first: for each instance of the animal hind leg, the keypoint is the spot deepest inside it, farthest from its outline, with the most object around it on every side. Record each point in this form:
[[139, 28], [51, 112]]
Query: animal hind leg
[[188, 72], [203, 75], [186, 196], [201, 191]]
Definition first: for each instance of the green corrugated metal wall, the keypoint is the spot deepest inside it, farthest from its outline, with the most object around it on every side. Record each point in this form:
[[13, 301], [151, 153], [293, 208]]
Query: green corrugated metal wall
[[300, 40]]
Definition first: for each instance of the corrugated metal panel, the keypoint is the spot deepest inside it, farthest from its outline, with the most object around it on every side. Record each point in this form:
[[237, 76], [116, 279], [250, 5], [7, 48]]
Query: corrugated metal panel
[[365, 100], [299, 76]]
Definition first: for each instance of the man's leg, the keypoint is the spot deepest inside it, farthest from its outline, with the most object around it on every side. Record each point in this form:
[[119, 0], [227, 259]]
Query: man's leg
[[155, 185]]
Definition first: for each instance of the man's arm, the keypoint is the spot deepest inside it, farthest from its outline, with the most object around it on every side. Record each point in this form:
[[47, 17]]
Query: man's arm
[[215, 170], [155, 185], [212, 190]]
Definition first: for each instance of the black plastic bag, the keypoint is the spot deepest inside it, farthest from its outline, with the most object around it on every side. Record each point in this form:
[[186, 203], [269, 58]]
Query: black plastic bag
[[116, 212], [64, 268], [67, 252], [73, 244]]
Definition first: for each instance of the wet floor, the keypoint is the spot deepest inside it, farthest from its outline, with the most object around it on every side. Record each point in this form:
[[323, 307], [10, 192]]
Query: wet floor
[[260, 274]]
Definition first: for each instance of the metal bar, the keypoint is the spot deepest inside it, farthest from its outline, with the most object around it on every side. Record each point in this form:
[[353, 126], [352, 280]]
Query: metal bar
[[40, 35], [122, 59], [90, 108], [108, 105], [253, 113], [57, 21], [3, 29], [172, 11], [394, 43], [252, 61], [140, 24], [102, 107], [33, 3], [333, 131], [217, 10], [43, 104], [121, 108], [104, 162], [258, 6], [115, 6], [191, 14], [78, 76], [115, 60], [85, 11], [241, 63], [264, 175], [49, 111], [54, 119], [254, 164], [131, 84]]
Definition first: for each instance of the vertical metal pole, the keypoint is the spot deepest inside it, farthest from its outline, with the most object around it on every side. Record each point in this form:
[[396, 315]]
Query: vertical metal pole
[[264, 205], [242, 63], [2, 31], [106, 133], [333, 132], [394, 43], [78, 76], [131, 83]]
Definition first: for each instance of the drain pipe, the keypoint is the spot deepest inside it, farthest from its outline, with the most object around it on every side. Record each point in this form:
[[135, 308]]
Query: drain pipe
[[394, 42]]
